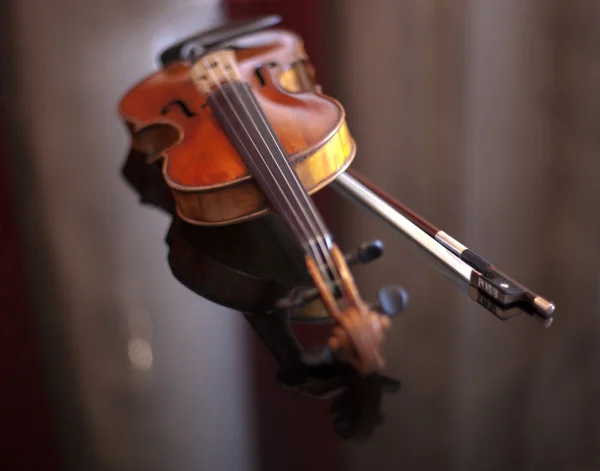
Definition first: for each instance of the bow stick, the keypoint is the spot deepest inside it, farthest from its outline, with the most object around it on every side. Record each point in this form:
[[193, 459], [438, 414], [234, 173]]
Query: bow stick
[[468, 265]]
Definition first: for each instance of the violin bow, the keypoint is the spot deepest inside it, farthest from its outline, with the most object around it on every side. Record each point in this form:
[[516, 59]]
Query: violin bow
[[467, 264]]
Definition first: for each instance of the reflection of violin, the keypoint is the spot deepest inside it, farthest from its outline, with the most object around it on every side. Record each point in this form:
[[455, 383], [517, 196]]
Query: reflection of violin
[[213, 261], [239, 137]]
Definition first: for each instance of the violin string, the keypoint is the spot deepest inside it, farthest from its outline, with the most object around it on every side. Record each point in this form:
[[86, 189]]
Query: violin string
[[322, 255], [311, 234], [309, 205], [218, 82], [307, 232]]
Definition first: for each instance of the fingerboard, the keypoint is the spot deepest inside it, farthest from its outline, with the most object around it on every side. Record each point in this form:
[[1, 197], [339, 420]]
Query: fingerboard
[[242, 119]]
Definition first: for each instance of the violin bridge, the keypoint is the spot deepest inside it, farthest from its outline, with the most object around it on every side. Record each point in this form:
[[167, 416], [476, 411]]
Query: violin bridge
[[215, 69]]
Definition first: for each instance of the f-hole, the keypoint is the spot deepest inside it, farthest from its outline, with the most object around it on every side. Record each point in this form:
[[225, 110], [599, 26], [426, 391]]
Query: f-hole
[[261, 79], [259, 75], [180, 104]]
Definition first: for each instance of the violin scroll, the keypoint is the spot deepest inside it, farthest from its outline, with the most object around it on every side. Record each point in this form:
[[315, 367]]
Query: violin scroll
[[359, 332]]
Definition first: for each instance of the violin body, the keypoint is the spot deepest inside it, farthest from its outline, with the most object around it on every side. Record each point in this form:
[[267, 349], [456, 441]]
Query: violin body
[[169, 119]]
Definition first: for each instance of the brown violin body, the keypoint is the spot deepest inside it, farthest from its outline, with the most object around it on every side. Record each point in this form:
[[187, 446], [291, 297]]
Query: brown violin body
[[169, 119]]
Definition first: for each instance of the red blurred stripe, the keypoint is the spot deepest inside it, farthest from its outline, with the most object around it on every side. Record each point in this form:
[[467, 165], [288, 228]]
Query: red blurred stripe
[[27, 438]]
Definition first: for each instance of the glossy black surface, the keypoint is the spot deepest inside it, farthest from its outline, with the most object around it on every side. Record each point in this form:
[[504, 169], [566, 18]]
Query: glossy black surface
[[481, 116], [251, 267]]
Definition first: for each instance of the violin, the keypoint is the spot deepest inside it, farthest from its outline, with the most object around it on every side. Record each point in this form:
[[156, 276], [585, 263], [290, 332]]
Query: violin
[[232, 136], [239, 137]]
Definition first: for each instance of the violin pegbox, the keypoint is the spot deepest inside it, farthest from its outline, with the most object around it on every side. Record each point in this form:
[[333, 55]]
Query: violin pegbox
[[299, 297], [391, 299], [359, 326]]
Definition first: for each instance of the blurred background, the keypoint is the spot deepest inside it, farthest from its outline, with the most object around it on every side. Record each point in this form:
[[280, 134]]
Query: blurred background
[[481, 116]]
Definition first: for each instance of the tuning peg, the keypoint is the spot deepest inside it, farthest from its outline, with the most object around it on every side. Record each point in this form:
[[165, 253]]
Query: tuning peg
[[365, 253], [391, 300]]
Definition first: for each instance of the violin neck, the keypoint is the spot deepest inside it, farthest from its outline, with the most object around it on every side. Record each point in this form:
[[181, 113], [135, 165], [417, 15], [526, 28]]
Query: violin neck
[[238, 112]]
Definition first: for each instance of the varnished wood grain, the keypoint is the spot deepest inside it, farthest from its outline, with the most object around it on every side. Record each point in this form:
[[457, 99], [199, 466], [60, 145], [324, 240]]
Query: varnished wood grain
[[210, 182]]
